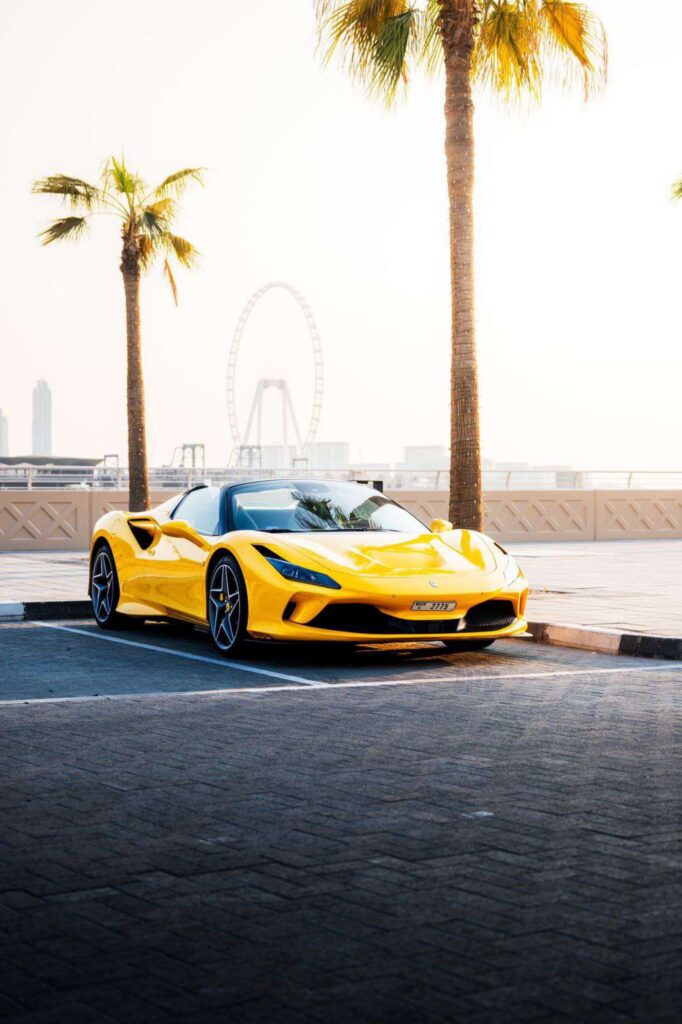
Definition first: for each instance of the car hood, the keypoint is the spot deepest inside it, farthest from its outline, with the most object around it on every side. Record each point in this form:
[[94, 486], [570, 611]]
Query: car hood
[[373, 553]]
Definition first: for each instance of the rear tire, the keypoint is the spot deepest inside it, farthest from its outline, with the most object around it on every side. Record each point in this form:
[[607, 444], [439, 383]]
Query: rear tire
[[105, 591], [455, 646], [227, 606]]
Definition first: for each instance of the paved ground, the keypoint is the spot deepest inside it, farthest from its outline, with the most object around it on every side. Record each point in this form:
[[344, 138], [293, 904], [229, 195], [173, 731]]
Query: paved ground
[[632, 585], [43, 575], [399, 835]]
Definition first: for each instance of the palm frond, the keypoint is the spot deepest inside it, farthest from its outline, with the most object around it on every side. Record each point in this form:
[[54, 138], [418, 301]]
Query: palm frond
[[146, 217], [63, 229], [393, 42], [164, 207], [340, 34], [153, 223], [120, 178], [175, 184], [148, 248], [351, 29], [518, 43], [168, 271], [506, 57], [677, 189], [351, 21], [573, 31], [431, 48], [75, 191], [184, 251]]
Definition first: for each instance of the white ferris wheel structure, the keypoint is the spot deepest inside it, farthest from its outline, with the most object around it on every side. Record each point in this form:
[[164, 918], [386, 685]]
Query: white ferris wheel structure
[[247, 445]]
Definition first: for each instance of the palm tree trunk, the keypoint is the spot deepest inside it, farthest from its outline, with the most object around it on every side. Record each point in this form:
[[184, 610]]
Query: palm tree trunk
[[457, 22], [137, 437]]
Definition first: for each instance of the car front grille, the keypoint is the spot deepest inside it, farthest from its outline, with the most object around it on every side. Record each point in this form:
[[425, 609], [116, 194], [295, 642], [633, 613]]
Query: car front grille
[[487, 617]]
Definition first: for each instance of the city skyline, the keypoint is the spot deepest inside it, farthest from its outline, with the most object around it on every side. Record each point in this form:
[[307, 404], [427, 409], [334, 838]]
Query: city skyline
[[544, 177], [41, 442], [4, 434]]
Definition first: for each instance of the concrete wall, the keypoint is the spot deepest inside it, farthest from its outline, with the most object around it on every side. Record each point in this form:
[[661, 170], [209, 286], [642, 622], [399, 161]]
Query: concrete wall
[[565, 515], [56, 520]]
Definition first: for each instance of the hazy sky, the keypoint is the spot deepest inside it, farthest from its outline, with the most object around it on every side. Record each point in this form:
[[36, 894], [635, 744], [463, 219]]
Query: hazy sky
[[579, 248]]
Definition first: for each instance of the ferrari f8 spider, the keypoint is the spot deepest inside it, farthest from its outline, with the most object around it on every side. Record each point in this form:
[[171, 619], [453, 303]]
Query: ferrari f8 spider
[[303, 560]]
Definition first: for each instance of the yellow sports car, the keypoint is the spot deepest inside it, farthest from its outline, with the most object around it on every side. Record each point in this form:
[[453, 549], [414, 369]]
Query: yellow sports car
[[304, 560]]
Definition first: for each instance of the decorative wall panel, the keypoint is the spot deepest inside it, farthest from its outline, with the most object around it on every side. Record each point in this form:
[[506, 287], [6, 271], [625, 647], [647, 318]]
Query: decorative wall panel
[[633, 515], [54, 520], [44, 520]]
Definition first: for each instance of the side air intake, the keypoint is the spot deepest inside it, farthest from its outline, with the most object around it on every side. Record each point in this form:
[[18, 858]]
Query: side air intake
[[143, 531]]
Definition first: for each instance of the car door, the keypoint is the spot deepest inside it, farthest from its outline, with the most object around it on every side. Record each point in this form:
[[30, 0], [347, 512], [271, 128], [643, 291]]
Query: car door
[[178, 573]]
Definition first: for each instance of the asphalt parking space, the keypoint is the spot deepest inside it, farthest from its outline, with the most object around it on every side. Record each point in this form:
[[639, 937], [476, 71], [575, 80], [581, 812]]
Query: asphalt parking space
[[491, 838], [72, 660], [48, 661]]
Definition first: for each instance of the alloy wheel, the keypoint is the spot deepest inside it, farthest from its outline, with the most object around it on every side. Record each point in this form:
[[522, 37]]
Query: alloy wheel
[[102, 586], [224, 607]]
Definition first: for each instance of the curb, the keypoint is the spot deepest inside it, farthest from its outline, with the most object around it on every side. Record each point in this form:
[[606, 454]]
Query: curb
[[584, 638], [20, 611], [606, 641]]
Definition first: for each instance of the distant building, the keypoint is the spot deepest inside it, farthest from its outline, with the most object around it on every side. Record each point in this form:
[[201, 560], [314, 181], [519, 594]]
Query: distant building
[[16, 471], [326, 454], [42, 419], [269, 456], [524, 476], [425, 456], [318, 455], [4, 435]]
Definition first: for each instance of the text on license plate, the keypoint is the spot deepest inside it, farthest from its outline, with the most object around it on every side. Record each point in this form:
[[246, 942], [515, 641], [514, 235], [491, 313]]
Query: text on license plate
[[434, 606]]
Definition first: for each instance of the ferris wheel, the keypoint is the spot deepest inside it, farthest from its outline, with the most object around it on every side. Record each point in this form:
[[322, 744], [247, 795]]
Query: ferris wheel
[[240, 439]]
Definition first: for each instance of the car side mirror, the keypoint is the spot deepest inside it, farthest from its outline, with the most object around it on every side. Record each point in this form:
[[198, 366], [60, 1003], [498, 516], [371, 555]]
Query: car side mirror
[[441, 526], [181, 530]]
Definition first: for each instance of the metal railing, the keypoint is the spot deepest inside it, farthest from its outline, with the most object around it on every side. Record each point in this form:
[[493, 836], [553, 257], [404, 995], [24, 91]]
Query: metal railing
[[178, 478]]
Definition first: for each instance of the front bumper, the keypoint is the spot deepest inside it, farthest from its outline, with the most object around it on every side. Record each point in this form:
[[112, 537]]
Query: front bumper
[[297, 632], [287, 611]]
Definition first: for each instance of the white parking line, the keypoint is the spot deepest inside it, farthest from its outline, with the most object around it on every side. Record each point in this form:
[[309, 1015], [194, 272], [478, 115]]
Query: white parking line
[[222, 662], [658, 667], [351, 685]]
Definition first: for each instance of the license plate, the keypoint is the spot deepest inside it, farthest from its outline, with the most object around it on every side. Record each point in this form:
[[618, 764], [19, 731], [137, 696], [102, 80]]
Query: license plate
[[434, 606]]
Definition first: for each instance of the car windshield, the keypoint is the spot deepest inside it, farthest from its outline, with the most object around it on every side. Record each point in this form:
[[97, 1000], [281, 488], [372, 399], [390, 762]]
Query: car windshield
[[302, 507]]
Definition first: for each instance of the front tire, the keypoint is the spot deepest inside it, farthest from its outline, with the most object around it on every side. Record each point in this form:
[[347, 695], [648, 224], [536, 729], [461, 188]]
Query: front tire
[[104, 589], [455, 646], [227, 606]]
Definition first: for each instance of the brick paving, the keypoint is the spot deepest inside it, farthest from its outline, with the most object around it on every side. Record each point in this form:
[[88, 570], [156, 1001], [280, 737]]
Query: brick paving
[[480, 851], [629, 585]]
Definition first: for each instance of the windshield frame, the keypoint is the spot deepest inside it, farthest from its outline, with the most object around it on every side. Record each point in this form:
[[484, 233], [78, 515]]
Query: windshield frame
[[269, 485]]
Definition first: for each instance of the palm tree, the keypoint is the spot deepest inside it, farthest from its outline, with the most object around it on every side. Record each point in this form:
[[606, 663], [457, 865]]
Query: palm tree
[[146, 215], [509, 46]]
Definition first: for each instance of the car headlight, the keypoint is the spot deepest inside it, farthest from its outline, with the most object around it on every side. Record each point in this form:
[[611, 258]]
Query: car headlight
[[290, 571], [511, 571]]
